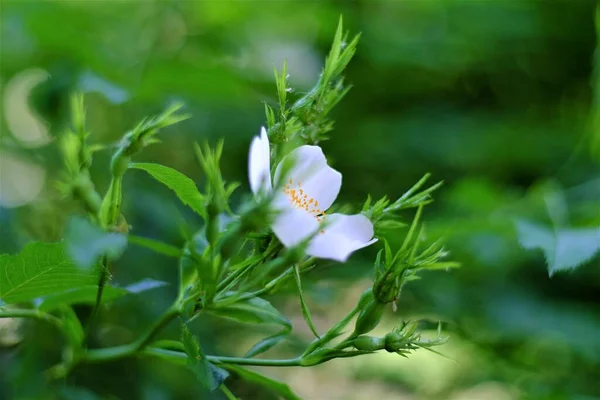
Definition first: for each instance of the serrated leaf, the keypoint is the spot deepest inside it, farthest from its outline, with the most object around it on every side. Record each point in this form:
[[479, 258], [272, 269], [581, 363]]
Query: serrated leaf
[[183, 186], [209, 376], [86, 243], [305, 310], [41, 269], [256, 311], [274, 386], [564, 249]]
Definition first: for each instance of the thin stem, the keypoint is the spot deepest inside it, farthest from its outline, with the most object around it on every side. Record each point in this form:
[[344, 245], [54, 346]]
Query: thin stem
[[84, 191], [173, 312], [181, 357], [332, 333], [35, 314], [101, 283], [234, 277], [113, 353], [246, 296], [227, 393]]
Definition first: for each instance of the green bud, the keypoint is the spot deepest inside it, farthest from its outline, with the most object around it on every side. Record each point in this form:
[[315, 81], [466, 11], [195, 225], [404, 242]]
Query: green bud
[[369, 317], [387, 288], [393, 341], [368, 343], [366, 298]]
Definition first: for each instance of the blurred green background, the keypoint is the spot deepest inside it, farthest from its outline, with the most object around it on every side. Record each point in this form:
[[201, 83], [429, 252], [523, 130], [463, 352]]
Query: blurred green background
[[496, 98]]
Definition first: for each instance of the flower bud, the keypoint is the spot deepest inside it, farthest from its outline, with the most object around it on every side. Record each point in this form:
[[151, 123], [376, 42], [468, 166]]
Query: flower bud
[[369, 317], [368, 343], [393, 341], [386, 289]]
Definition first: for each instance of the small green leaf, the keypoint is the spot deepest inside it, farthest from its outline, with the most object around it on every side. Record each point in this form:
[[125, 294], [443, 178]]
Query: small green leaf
[[305, 310], [272, 385], [564, 248], [209, 376], [256, 311], [86, 243], [267, 343], [156, 246], [183, 186], [41, 269], [252, 311]]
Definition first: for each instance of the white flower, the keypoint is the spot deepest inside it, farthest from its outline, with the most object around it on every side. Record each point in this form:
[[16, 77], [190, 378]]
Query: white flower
[[310, 189]]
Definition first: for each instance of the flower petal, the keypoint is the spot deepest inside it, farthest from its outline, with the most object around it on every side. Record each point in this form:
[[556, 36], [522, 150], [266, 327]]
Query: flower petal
[[293, 225], [343, 235], [310, 170], [259, 163]]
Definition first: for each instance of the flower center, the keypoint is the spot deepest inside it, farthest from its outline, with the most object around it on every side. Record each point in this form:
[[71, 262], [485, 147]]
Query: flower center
[[302, 200]]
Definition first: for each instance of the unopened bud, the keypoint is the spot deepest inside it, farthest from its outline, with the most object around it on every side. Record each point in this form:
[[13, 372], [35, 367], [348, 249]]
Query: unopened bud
[[368, 343], [369, 317]]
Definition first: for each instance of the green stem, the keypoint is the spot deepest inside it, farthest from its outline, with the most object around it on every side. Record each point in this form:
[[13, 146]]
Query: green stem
[[181, 357], [85, 192], [227, 393], [35, 314], [117, 352], [173, 312], [126, 350], [246, 296], [101, 283], [332, 333]]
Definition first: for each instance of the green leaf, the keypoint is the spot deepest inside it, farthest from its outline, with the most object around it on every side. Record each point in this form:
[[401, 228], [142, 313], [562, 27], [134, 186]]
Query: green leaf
[[279, 388], [267, 343], [183, 186], [256, 311], [209, 376], [87, 294], [86, 243], [156, 246], [305, 310], [252, 311], [564, 248], [40, 269]]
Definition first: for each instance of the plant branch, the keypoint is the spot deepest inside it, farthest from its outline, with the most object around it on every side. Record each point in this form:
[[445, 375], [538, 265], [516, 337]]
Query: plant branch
[[35, 314], [181, 357]]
